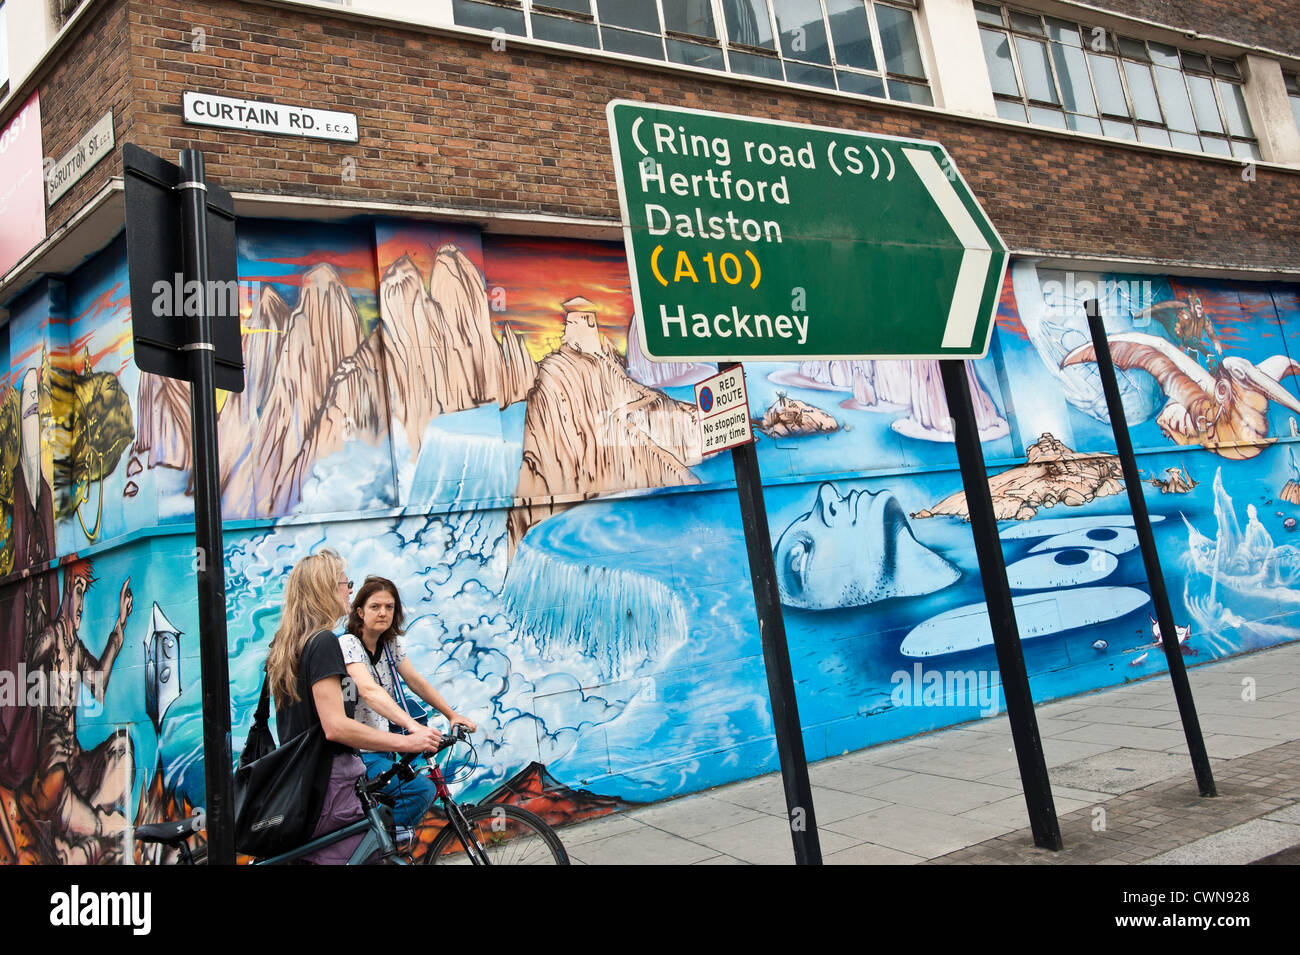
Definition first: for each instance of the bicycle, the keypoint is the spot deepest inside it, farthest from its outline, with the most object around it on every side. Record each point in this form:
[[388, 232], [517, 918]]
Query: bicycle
[[487, 835], [496, 834]]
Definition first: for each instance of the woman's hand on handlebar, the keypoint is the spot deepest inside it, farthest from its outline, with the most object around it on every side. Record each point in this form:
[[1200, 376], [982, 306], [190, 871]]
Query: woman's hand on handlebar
[[469, 724], [425, 740]]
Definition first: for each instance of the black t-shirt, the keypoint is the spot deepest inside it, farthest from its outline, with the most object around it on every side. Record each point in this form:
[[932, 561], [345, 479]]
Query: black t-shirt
[[321, 658]]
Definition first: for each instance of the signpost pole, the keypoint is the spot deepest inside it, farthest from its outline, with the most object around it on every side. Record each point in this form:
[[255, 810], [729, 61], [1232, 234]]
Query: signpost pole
[[1002, 615], [207, 523], [1150, 558], [776, 653]]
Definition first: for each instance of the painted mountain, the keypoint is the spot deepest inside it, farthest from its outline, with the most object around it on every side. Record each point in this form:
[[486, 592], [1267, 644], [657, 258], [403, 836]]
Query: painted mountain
[[590, 428]]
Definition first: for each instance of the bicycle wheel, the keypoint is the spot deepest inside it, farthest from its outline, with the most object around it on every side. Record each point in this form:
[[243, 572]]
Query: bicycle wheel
[[509, 836]]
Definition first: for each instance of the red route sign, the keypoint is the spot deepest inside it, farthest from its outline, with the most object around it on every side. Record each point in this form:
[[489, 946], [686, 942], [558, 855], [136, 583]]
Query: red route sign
[[722, 409]]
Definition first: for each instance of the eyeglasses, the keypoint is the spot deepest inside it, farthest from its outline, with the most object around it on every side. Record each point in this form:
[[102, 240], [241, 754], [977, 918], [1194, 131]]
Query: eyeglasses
[[347, 582]]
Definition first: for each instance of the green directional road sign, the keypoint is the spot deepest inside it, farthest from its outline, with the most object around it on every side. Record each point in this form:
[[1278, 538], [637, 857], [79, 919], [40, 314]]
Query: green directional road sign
[[771, 241]]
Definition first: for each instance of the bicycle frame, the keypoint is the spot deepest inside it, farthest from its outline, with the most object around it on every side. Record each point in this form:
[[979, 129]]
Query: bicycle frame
[[474, 850], [377, 839]]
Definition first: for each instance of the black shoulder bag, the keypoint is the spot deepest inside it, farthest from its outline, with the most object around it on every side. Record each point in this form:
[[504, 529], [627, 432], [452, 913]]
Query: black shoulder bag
[[278, 791]]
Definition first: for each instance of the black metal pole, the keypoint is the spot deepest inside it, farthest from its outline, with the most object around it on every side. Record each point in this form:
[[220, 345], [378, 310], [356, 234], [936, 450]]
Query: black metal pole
[[207, 522], [1002, 614], [1150, 558], [776, 654]]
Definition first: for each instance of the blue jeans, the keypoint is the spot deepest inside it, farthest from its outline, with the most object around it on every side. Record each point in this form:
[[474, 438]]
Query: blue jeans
[[412, 798]]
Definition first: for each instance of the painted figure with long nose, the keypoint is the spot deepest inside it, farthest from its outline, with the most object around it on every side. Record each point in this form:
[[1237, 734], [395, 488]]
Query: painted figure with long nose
[[1225, 411]]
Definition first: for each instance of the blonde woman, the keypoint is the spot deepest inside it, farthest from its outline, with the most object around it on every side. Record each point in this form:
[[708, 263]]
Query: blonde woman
[[306, 670]]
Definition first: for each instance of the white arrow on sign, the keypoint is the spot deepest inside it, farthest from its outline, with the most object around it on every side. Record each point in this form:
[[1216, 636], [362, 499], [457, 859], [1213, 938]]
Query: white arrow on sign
[[965, 308]]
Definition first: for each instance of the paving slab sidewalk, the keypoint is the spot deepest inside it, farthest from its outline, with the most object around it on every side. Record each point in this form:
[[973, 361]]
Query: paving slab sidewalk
[[1121, 780]]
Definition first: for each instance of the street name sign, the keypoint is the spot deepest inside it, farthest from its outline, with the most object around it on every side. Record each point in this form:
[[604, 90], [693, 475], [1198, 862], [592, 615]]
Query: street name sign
[[722, 410], [773, 241], [276, 119]]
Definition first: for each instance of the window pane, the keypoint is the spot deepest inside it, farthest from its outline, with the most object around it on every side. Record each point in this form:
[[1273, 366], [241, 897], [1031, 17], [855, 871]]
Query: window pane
[[747, 22], [560, 30], [803, 34], [752, 64], [1062, 32], [1072, 71], [689, 16], [1226, 68], [809, 75], [898, 40], [1207, 110], [1290, 80], [573, 6], [1035, 70], [1143, 91], [910, 93], [1212, 144], [1026, 23], [1234, 106], [988, 13], [1246, 151], [694, 54], [1105, 73], [851, 33], [1295, 110], [486, 17], [635, 44], [1194, 61], [1162, 55], [1118, 130], [862, 83], [1011, 110], [1083, 124], [1133, 49], [1047, 117], [1149, 134], [1173, 96], [637, 14], [997, 53], [1186, 141]]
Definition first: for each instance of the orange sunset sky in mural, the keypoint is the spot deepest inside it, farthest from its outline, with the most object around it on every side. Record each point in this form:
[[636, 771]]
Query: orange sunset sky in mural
[[536, 275]]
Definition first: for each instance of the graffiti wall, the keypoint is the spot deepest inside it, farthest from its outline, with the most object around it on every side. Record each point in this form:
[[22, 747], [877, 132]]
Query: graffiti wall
[[469, 415]]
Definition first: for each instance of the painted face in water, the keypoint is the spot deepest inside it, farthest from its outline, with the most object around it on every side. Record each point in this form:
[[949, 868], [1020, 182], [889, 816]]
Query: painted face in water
[[855, 550]]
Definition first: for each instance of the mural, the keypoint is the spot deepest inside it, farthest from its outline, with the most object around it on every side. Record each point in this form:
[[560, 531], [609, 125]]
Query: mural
[[472, 416]]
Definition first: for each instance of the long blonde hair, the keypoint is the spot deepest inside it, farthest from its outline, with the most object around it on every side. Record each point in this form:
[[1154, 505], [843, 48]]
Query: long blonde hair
[[311, 604]]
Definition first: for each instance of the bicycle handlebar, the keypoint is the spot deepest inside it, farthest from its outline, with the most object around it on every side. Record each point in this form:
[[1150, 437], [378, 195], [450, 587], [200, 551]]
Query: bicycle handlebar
[[456, 735]]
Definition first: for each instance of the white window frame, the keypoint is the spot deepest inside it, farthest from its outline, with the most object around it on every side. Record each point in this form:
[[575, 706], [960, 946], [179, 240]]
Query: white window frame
[[1221, 70], [721, 42]]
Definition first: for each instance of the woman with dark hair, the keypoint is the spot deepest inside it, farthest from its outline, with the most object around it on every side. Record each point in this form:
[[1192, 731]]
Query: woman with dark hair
[[306, 670], [375, 661]]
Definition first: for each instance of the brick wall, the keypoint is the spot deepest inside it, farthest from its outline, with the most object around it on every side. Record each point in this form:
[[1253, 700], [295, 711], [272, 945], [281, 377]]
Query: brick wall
[[92, 77], [1273, 24], [451, 122]]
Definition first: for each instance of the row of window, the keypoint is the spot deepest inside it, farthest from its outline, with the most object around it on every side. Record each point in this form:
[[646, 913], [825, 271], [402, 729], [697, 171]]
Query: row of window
[[1057, 73], [856, 46], [1043, 70], [1292, 81]]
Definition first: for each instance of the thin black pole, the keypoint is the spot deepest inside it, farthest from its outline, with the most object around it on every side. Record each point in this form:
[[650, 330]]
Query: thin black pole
[[1002, 614], [776, 654], [1150, 558], [207, 522]]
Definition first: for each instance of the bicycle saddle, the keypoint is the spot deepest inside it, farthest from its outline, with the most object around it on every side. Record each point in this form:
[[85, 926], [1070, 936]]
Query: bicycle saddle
[[169, 833]]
